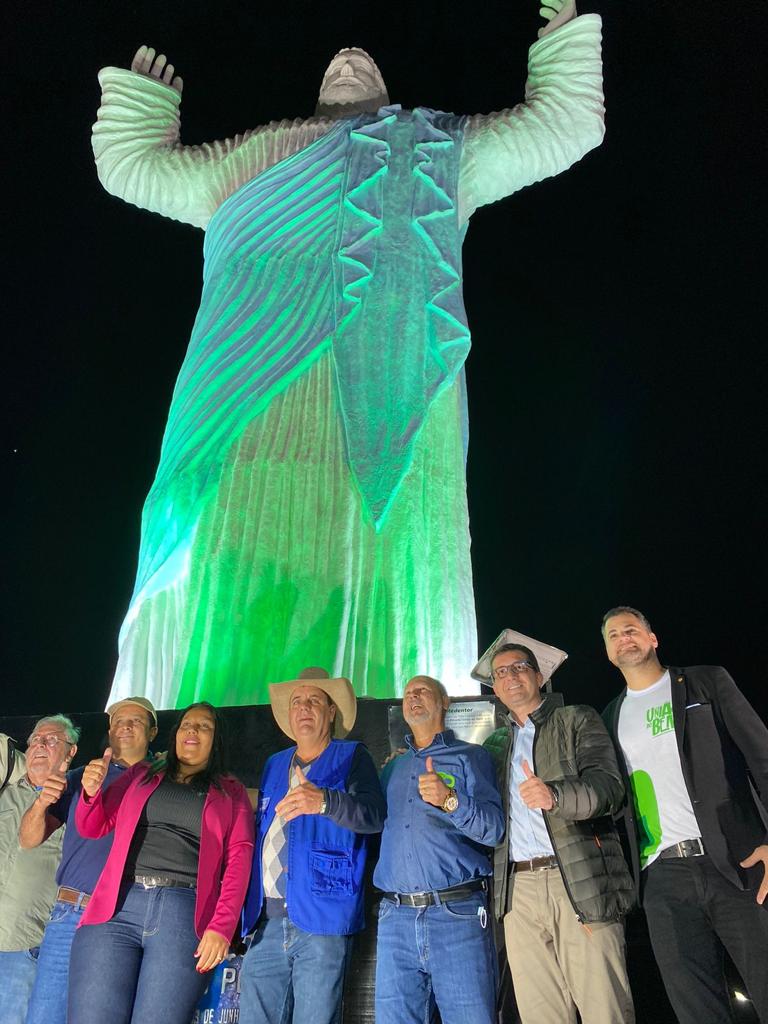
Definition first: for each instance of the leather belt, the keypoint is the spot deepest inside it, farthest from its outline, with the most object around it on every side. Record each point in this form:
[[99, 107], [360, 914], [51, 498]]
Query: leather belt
[[685, 848], [430, 899], [535, 864], [153, 881], [73, 896]]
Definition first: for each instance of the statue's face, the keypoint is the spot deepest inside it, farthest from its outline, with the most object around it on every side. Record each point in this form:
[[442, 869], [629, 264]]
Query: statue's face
[[352, 84]]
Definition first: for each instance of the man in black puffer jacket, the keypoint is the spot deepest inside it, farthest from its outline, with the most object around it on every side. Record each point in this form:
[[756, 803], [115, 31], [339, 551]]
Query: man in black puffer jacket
[[561, 883]]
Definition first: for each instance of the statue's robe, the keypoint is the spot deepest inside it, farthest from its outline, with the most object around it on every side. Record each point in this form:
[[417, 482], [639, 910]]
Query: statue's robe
[[310, 501]]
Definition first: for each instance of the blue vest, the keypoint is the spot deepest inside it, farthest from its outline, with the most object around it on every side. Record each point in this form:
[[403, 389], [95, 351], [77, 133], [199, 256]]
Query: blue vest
[[325, 862]]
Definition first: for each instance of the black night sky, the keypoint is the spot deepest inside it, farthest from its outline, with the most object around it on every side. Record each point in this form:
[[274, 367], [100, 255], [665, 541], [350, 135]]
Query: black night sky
[[616, 381]]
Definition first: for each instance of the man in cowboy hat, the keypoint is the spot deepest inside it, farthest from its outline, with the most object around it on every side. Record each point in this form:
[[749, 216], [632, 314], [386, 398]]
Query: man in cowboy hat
[[320, 799]]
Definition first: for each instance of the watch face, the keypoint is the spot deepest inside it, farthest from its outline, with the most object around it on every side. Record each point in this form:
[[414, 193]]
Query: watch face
[[451, 803]]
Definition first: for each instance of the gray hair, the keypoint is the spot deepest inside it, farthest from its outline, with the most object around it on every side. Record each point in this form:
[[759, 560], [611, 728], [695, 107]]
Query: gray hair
[[434, 683], [624, 609], [439, 689], [71, 731]]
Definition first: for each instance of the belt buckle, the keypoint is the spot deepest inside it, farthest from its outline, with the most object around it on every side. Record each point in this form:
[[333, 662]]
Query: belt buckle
[[74, 897]]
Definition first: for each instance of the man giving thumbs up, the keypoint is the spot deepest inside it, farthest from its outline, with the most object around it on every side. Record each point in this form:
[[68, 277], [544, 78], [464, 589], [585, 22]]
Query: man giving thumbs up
[[443, 812], [560, 881], [132, 727]]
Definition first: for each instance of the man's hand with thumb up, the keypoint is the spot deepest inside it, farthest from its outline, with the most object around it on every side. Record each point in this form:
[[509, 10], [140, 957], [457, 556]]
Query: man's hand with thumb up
[[432, 789], [305, 798], [95, 772], [535, 793]]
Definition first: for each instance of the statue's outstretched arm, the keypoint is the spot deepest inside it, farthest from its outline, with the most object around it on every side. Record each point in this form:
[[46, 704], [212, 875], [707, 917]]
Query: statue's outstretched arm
[[560, 120], [140, 159], [147, 62], [556, 13]]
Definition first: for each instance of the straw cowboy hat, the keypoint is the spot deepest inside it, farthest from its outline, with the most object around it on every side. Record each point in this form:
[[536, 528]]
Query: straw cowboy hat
[[339, 690]]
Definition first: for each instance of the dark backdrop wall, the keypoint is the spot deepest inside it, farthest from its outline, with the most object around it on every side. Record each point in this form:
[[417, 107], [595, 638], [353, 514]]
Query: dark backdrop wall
[[616, 380]]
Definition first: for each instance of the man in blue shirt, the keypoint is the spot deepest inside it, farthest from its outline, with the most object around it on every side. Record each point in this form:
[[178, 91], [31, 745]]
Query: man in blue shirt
[[132, 727], [443, 812]]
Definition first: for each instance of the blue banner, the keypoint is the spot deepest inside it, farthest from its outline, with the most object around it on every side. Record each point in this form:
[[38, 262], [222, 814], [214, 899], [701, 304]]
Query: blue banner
[[220, 1003]]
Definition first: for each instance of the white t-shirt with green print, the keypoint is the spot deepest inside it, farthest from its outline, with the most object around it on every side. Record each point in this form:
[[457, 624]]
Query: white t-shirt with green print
[[647, 737]]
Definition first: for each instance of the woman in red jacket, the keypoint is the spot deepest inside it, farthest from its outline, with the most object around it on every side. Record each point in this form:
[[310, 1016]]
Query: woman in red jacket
[[168, 901]]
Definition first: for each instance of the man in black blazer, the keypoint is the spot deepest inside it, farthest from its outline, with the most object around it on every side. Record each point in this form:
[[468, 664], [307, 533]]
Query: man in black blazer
[[695, 754]]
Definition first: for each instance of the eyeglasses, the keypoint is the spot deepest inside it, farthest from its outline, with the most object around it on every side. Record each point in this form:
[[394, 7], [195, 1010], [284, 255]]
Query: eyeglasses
[[49, 741], [515, 669]]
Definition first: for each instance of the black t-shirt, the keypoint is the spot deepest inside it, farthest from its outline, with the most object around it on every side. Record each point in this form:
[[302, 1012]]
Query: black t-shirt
[[167, 837]]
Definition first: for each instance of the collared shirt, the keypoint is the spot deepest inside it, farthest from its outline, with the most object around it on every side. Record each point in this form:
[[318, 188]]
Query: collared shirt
[[528, 836], [27, 877], [423, 849], [82, 860]]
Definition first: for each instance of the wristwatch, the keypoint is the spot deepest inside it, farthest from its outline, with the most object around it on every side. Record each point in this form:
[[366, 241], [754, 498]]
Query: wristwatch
[[451, 802], [555, 797], [324, 804]]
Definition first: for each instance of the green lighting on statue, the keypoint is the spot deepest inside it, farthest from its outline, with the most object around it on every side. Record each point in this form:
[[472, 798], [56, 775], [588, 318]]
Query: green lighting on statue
[[310, 501]]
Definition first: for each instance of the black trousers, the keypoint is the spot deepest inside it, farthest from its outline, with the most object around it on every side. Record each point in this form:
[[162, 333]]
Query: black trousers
[[693, 912]]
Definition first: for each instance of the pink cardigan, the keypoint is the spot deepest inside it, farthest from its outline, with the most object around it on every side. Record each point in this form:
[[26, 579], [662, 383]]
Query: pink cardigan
[[226, 847]]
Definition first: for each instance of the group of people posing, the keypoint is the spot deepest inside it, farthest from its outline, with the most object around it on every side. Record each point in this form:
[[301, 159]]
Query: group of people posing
[[166, 860]]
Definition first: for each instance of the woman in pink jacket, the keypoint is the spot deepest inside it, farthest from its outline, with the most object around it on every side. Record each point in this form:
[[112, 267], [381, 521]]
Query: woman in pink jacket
[[168, 901]]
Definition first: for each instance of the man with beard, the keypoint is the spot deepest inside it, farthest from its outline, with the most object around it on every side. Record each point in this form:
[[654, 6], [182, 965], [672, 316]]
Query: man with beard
[[692, 749], [435, 938], [27, 877]]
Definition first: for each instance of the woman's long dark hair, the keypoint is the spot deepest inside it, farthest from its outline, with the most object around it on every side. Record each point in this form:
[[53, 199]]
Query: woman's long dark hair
[[212, 773]]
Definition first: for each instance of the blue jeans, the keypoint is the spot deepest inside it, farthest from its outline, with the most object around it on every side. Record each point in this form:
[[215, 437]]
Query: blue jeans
[[292, 976], [139, 965], [17, 976], [443, 953], [48, 1004]]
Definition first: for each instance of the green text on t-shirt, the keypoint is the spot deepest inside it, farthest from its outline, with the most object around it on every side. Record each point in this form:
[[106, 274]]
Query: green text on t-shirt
[[660, 719]]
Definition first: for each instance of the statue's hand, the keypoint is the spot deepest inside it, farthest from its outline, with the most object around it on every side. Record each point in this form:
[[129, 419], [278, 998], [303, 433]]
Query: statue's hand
[[146, 62], [556, 13]]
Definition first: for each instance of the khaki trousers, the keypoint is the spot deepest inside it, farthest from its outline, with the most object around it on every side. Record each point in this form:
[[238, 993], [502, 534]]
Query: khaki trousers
[[559, 965]]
